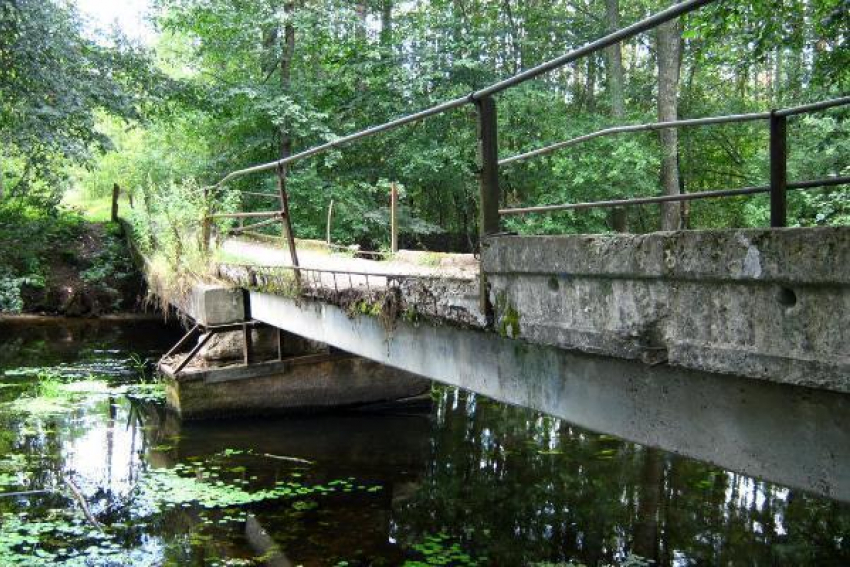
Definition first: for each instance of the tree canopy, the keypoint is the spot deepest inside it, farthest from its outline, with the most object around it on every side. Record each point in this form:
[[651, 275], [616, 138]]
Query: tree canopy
[[54, 81], [269, 77]]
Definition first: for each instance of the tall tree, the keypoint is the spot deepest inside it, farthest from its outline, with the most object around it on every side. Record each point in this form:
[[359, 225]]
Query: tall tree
[[668, 53], [615, 60]]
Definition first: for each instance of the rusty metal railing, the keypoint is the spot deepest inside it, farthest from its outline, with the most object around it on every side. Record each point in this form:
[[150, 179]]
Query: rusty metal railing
[[488, 162], [778, 160], [486, 107]]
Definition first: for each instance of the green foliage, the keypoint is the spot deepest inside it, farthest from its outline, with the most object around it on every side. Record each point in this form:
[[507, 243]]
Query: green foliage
[[169, 224], [112, 262], [440, 550], [54, 78], [29, 234], [220, 91]]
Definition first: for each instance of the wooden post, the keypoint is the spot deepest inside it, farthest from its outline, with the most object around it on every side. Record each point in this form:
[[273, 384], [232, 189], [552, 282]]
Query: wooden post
[[286, 223], [393, 218], [488, 186], [330, 214], [778, 171], [280, 344], [206, 227], [116, 191]]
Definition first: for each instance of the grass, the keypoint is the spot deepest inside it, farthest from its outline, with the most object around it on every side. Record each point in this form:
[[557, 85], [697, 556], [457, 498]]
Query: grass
[[93, 209]]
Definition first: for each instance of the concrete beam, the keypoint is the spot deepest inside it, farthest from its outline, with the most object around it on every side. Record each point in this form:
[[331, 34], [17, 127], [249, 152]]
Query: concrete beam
[[768, 304], [792, 436]]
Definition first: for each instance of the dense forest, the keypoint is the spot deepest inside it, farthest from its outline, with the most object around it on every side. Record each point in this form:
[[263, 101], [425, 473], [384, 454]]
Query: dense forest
[[231, 83]]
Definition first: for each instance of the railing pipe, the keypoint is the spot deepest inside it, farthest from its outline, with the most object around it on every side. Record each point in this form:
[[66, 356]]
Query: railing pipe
[[260, 214], [638, 128], [630, 31], [799, 185], [258, 194], [440, 108], [813, 107], [267, 222]]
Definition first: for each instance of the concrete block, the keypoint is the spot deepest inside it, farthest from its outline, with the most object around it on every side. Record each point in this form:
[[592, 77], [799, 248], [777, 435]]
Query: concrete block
[[212, 305]]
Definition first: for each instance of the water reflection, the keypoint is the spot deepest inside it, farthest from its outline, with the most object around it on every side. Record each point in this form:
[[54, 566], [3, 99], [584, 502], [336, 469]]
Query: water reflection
[[524, 488], [472, 482]]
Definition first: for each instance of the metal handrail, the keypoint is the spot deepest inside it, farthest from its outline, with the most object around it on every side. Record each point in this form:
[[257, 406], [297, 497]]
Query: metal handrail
[[798, 185], [637, 128], [813, 107], [259, 268], [805, 108], [773, 116], [606, 41]]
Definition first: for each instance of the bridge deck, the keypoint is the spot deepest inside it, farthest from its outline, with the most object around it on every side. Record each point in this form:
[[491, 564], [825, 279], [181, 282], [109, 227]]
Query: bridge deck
[[442, 286], [313, 256]]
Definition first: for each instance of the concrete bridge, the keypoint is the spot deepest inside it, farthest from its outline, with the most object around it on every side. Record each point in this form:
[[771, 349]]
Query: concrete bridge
[[619, 334], [765, 304], [713, 344]]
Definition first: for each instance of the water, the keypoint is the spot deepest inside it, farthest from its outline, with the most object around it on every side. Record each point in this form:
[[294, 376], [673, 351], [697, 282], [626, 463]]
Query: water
[[472, 482]]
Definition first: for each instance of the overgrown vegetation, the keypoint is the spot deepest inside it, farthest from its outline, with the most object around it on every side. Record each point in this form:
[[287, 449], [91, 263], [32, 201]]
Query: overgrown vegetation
[[51, 260]]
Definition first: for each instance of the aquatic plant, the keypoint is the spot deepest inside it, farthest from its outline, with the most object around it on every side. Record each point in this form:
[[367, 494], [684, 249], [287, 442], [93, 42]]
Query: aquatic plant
[[439, 549]]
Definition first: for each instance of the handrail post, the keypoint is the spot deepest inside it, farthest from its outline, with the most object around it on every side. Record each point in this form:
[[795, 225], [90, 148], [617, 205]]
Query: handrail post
[[488, 189], [488, 166], [286, 221], [778, 170]]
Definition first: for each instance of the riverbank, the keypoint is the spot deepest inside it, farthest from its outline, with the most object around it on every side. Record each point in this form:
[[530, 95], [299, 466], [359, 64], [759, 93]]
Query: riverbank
[[54, 262]]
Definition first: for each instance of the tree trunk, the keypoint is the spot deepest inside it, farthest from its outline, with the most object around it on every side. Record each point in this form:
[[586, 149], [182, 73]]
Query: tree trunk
[[360, 10], [387, 24], [590, 84], [668, 38], [286, 74], [615, 60], [646, 530]]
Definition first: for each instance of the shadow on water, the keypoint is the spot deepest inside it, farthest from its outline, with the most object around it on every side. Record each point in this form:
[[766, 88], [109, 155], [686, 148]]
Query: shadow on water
[[472, 482]]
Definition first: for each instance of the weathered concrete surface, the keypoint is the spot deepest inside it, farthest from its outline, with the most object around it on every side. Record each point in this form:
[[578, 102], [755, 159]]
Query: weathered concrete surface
[[794, 436], [451, 299], [770, 304], [286, 387], [211, 305]]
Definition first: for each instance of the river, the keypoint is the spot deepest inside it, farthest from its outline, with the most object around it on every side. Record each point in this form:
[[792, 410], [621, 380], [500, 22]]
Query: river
[[95, 471]]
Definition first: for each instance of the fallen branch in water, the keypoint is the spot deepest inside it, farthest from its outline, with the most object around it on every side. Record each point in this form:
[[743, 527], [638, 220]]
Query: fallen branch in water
[[290, 459], [82, 502]]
